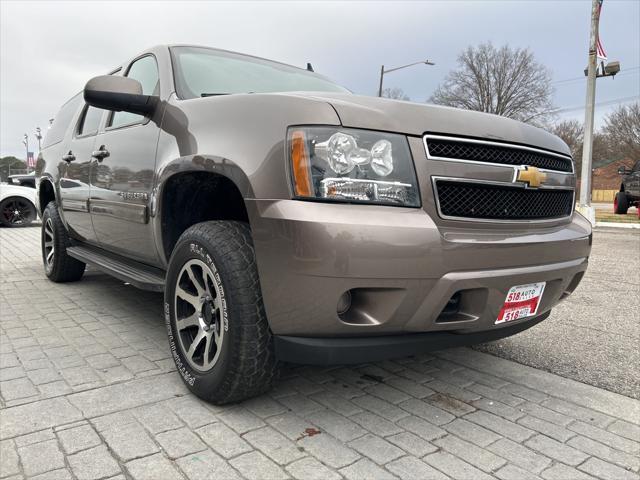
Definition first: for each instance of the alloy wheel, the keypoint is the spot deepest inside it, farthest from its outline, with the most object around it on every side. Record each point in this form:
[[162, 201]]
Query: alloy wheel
[[48, 243], [17, 212], [198, 305]]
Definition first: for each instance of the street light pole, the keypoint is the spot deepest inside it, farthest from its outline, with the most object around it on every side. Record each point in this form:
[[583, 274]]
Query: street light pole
[[592, 72], [381, 77], [383, 71], [587, 149], [25, 140], [39, 137]]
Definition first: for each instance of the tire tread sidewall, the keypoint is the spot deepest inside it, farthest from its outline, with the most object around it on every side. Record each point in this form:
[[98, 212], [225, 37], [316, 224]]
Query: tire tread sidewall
[[246, 365], [65, 268]]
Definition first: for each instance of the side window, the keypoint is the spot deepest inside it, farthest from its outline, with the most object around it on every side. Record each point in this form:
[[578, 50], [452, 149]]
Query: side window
[[90, 121], [144, 70], [62, 120]]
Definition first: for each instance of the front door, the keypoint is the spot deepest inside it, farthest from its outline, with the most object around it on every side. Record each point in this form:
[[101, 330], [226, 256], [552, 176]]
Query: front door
[[124, 175], [75, 174]]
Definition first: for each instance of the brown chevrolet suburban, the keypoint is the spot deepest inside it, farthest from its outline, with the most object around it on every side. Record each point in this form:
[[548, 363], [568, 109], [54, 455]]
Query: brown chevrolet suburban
[[286, 219]]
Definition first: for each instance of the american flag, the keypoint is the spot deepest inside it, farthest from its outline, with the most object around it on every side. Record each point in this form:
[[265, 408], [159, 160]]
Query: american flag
[[31, 160], [599, 48]]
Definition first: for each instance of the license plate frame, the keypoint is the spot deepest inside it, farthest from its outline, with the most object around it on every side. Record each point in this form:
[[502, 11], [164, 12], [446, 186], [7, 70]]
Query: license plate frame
[[522, 301]]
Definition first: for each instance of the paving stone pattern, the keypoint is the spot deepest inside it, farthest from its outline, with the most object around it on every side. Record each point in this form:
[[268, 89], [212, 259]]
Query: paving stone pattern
[[88, 390]]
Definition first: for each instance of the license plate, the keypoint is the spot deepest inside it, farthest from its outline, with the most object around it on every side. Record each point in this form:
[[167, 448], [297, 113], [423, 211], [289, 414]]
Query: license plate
[[522, 301]]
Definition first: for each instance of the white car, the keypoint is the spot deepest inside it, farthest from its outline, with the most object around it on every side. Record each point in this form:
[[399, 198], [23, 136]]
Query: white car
[[17, 205]]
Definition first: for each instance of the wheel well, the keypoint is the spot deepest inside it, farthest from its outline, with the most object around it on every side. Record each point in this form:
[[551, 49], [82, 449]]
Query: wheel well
[[18, 197], [45, 195], [190, 198]]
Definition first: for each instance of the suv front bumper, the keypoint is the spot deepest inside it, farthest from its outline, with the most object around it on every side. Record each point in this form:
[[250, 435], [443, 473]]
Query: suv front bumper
[[402, 269], [355, 350]]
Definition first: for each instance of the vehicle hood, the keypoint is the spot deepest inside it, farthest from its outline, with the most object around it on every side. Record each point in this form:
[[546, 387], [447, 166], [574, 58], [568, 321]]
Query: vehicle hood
[[417, 119]]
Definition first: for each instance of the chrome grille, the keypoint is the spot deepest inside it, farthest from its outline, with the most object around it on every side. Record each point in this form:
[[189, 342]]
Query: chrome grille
[[490, 152], [501, 202]]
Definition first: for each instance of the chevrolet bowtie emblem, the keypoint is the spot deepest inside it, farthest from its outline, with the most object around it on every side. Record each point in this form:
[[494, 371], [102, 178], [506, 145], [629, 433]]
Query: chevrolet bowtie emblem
[[531, 176]]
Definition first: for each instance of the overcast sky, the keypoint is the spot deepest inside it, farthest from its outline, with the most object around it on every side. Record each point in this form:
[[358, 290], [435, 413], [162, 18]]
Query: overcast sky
[[50, 49]]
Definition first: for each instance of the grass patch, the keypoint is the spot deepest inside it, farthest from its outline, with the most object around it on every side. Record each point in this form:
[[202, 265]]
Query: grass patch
[[609, 216]]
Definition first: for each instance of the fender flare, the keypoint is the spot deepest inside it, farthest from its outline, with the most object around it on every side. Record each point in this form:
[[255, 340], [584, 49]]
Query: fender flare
[[45, 178], [198, 163]]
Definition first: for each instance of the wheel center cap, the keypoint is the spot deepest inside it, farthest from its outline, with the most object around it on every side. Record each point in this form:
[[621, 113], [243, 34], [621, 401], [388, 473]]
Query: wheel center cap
[[208, 312]]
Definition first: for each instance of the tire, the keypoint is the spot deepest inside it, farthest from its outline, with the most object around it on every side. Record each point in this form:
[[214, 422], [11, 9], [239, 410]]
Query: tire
[[621, 203], [58, 266], [234, 359], [17, 212]]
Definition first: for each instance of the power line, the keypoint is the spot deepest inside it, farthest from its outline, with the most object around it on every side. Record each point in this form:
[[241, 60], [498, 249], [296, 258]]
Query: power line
[[599, 104], [580, 80]]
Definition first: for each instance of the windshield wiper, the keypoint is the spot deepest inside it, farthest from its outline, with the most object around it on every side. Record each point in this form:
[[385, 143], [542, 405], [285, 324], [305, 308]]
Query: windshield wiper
[[217, 94]]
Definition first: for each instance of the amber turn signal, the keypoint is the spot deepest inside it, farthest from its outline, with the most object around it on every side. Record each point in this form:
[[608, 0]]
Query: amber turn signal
[[301, 165]]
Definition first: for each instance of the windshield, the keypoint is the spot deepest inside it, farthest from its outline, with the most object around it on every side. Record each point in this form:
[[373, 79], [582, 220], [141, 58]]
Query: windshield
[[201, 72]]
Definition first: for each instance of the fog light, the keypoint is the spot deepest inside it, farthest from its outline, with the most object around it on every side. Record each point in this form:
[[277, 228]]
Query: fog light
[[344, 302]]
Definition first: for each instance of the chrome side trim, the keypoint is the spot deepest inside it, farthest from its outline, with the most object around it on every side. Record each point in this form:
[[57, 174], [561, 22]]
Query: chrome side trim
[[121, 210], [497, 144], [434, 185]]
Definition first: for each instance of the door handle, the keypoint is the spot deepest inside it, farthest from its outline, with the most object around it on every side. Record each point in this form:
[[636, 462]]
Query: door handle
[[101, 153], [69, 157]]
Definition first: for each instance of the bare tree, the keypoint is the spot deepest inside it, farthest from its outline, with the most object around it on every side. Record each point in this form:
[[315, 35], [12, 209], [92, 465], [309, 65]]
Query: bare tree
[[504, 81], [395, 93], [572, 133], [622, 127]]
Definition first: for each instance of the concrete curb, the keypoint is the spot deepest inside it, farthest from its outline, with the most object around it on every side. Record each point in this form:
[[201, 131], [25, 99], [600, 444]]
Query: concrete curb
[[617, 225]]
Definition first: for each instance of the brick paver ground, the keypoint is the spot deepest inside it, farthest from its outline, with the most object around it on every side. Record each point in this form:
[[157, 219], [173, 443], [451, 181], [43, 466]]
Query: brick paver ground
[[88, 390]]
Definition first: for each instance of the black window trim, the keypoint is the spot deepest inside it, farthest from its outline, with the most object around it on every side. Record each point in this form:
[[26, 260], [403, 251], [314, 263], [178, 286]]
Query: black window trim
[[80, 123], [145, 119]]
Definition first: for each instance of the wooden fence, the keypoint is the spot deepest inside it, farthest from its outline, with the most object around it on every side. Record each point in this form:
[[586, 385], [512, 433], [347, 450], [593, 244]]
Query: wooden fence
[[603, 196]]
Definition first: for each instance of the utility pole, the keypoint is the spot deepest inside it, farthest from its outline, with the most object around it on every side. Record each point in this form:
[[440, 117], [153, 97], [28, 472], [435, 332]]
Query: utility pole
[[587, 149]]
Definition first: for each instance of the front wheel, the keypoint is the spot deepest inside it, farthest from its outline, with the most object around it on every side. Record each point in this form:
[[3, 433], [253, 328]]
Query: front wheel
[[621, 203], [218, 331]]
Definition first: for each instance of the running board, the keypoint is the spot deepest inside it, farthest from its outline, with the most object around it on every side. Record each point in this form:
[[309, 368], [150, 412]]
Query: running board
[[135, 273]]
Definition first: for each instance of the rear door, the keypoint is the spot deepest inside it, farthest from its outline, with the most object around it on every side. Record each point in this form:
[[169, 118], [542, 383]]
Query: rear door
[[122, 187], [75, 173]]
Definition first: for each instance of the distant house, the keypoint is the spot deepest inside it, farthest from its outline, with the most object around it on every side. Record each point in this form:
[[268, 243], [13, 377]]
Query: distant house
[[606, 177]]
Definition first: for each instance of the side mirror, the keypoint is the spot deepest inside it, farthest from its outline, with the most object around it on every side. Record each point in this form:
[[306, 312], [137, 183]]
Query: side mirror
[[623, 170], [116, 93]]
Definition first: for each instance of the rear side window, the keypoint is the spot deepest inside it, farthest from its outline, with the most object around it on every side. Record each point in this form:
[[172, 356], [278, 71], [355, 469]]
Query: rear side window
[[144, 70], [90, 121], [62, 120]]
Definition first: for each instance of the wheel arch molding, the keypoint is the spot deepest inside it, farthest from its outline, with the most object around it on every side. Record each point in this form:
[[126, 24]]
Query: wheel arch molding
[[195, 189], [45, 193]]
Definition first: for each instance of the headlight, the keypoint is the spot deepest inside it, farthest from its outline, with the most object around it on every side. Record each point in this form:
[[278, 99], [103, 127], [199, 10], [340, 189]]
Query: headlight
[[352, 165]]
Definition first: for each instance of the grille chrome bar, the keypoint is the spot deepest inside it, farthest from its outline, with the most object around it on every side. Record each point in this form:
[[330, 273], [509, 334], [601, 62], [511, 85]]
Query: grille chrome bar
[[482, 201], [454, 149]]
